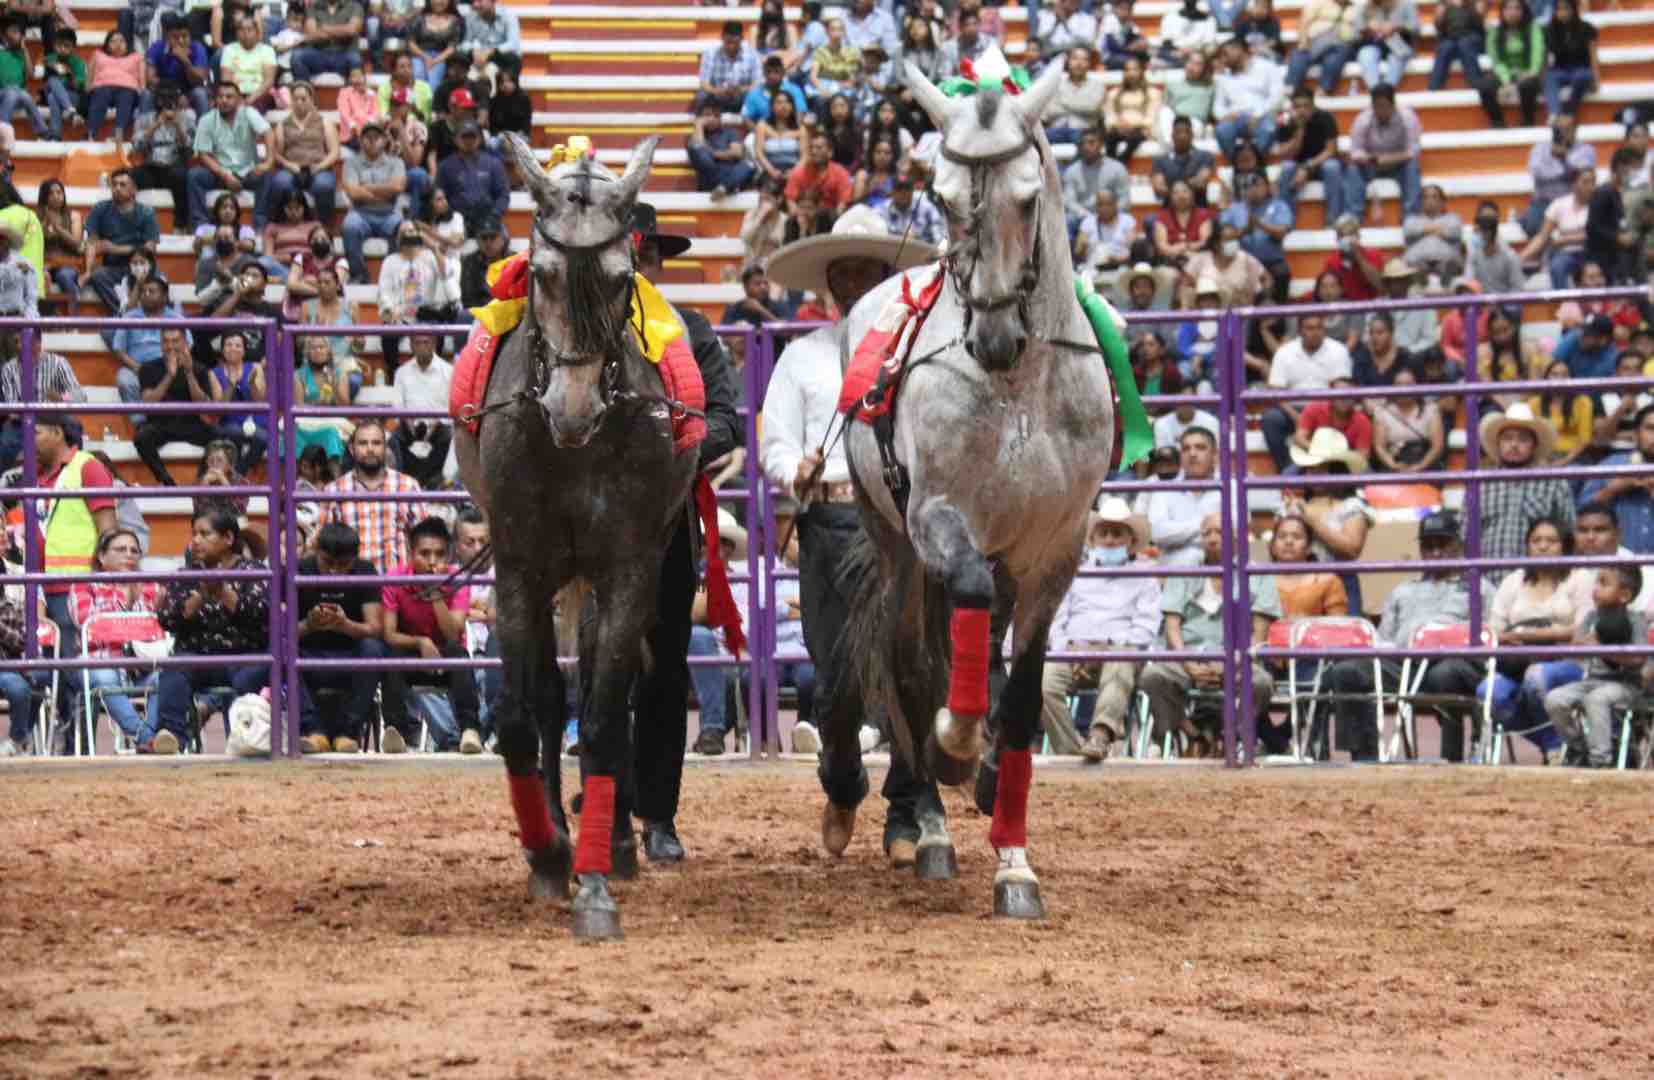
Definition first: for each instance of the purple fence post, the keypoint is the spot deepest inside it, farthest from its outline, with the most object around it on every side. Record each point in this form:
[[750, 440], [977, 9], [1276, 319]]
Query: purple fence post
[[290, 534], [757, 717], [278, 554], [1240, 650], [33, 540], [1231, 444], [1473, 490]]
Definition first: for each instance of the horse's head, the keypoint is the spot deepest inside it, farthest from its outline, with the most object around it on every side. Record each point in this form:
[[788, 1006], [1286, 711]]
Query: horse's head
[[580, 283], [997, 183]]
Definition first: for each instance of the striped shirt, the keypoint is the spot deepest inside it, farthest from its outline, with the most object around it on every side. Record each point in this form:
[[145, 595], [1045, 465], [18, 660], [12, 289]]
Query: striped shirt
[[54, 380], [382, 526], [718, 68]]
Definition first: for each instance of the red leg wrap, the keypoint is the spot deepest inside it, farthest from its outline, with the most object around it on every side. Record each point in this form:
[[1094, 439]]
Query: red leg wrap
[[528, 799], [597, 818], [968, 685], [1016, 773]]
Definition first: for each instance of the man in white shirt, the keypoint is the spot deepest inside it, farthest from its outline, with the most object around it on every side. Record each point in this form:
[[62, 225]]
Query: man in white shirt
[[799, 455], [1169, 429], [1249, 95], [1077, 106], [1309, 361], [1100, 614], [1065, 27], [421, 445], [1174, 516]]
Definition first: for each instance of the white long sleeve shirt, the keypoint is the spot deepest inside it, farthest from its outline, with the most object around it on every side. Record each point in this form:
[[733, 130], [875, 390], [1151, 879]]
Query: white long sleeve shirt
[[800, 407], [1254, 91], [424, 389], [1118, 611], [1174, 524]]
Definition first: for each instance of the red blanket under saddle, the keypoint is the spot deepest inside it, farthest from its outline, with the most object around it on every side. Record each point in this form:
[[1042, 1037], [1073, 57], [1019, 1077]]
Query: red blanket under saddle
[[875, 372]]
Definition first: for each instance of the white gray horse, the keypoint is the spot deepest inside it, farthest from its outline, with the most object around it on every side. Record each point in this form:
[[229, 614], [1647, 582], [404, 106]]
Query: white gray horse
[[1004, 429]]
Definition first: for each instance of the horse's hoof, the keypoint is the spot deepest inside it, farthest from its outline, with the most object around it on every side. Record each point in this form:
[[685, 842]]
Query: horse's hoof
[[987, 787], [1018, 900], [595, 916], [838, 825], [936, 862], [550, 871], [948, 770], [623, 860]]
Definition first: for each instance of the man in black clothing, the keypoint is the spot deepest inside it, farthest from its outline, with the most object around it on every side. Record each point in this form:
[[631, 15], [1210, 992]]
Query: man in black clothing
[[1183, 162], [1609, 240], [493, 244], [662, 698], [1309, 151], [173, 378], [243, 299], [338, 623]]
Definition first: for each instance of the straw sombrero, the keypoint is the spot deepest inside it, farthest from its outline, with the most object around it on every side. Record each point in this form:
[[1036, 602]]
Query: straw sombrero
[[1519, 415], [859, 233]]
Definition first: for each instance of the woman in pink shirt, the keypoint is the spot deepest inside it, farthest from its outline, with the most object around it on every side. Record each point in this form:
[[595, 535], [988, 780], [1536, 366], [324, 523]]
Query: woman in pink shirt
[[357, 105], [116, 79]]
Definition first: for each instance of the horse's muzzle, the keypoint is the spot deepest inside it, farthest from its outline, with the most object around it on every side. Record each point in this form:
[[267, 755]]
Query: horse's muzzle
[[998, 344], [572, 434]]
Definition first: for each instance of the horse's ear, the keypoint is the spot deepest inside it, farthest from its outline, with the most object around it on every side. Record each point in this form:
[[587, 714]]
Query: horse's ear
[[937, 105], [1032, 104], [528, 166], [637, 170]]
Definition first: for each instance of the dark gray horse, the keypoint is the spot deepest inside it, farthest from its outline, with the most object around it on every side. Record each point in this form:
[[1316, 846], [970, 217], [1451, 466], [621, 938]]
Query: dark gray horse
[[576, 470], [1004, 429]]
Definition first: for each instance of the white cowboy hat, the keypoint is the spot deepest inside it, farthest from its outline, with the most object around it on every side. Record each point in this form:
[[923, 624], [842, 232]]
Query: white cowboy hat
[[730, 532], [859, 233], [1518, 415], [1326, 447], [1116, 511]]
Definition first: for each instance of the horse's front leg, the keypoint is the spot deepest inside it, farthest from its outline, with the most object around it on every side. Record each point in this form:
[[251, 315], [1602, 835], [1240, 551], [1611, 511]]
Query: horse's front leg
[[533, 690], [944, 543], [624, 610]]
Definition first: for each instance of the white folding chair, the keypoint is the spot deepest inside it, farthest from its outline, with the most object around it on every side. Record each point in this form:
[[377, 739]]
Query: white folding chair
[[1435, 637], [117, 630], [1327, 632], [47, 634]]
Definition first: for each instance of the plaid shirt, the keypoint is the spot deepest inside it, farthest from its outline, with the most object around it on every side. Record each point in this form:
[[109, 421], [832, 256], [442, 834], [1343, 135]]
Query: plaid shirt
[[1509, 507], [11, 630], [96, 598], [382, 526], [718, 69], [53, 378]]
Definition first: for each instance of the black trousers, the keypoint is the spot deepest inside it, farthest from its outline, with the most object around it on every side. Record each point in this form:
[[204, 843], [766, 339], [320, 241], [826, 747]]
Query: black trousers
[[428, 469], [171, 178], [661, 697], [1358, 721], [161, 429], [1527, 94], [825, 533]]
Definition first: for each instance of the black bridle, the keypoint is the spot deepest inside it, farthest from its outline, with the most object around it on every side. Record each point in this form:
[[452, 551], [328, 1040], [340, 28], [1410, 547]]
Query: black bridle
[[964, 259]]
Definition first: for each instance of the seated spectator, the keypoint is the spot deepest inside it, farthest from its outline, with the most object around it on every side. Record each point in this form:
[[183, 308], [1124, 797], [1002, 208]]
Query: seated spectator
[[245, 299], [1257, 26], [1416, 328], [1434, 236], [1183, 162], [119, 551], [428, 622], [331, 28], [330, 308], [1389, 32], [493, 43], [54, 382], [717, 153], [16, 67], [338, 623], [1129, 111], [1249, 95], [1310, 152], [19, 275], [493, 244], [713, 682], [1175, 516], [1193, 610], [251, 64], [1516, 47], [1555, 165], [1378, 360], [219, 244], [1492, 263], [1077, 105], [409, 281], [119, 227], [219, 467], [117, 82], [1459, 36], [1346, 328], [1184, 32], [389, 25], [757, 107], [435, 40], [842, 129], [754, 305], [236, 378], [421, 446], [227, 141], [1504, 356], [209, 618], [1262, 222], [833, 67], [1589, 352], [1571, 314], [1408, 433], [307, 154], [778, 142], [875, 79], [1142, 294], [911, 213], [374, 181], [1313, 595], [1339, 518], [1629, 498], [1182, 229], [1616, 422], [139, 349], [1063, 27], [64, 238], [320, 380], [164, 139], [474, 180], [381, 525], [1515, 441], [820, 175], [172, 378], [1189, 98], [288, 233], [1154, 366], [1385, 142], [1310, 361], [1122, 38], [1089, 173], [1170, 426], [1197, 341], [1437, 596], [1342, 415], [970, 40], [1360, 270], [1100, 614], [874, 183], [1571, 413], [1328, 35], [1573, 65], [1240, 277], [1583, 713], [1609, 241]]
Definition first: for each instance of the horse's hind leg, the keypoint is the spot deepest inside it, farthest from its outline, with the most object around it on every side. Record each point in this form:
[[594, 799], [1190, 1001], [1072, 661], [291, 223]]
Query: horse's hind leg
[[528, 646], [944, 543]]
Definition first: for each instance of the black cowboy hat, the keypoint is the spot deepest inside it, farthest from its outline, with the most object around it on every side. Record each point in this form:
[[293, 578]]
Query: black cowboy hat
[[645, 227]]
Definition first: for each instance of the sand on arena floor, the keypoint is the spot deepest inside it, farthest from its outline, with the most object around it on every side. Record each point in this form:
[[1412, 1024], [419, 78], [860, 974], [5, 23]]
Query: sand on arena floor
[[370, 918]]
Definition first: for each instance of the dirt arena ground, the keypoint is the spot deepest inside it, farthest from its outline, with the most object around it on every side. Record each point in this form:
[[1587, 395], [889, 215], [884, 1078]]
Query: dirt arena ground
[[359, 917]]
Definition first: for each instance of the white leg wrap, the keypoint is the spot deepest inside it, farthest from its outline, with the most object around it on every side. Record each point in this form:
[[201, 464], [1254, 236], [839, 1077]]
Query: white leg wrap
[[1013, 866]]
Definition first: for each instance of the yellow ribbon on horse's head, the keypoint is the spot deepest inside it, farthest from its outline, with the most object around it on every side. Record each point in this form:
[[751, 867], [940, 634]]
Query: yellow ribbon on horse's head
[[654, 324], [568, 153]]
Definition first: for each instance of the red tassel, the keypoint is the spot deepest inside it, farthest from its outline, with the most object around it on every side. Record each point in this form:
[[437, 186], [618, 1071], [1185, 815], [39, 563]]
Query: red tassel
[[1016, 775], [512, 284], [597, 819], [968, 684], [721, 611], [528, 799]]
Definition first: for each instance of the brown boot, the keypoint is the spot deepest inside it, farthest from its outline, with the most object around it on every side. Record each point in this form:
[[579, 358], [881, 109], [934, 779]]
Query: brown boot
[[1097, 745]]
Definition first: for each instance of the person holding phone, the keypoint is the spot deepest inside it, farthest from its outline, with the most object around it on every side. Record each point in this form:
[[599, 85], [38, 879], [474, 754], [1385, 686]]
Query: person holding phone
[[339, 622], [428, 621]]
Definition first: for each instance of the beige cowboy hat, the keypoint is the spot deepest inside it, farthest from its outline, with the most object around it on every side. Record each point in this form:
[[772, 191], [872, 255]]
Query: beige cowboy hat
[[859, 233], [1398, 269], [1116, 511], [730, 532], [1328, 446], [1518, 415]]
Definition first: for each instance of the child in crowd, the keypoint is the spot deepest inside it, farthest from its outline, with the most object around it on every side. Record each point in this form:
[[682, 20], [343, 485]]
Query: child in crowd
[[290, 38], [15, 69], [1584, 712], [357, 105], [65, 81]]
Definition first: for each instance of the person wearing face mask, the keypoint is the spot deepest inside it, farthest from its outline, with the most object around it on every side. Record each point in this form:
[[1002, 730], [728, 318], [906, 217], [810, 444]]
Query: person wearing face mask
[[1239, 275], [1100, 614], [1492, 263]]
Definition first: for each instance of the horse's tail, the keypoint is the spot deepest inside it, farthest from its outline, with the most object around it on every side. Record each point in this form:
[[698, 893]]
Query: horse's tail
[[896, 638]]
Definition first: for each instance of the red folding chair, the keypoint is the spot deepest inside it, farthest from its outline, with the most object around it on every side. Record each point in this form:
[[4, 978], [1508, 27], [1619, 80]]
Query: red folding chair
[[1327, 632], [116, 631], [1435, 637]]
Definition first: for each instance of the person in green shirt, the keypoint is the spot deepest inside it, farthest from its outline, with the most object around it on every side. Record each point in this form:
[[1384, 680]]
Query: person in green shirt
[[65, 81], [15, 67], [1516, 45]]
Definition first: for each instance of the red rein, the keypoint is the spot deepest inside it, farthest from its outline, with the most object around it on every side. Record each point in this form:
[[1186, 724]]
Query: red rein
[[528, 799], [1016, 773], [597, 817], [968, 684]]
